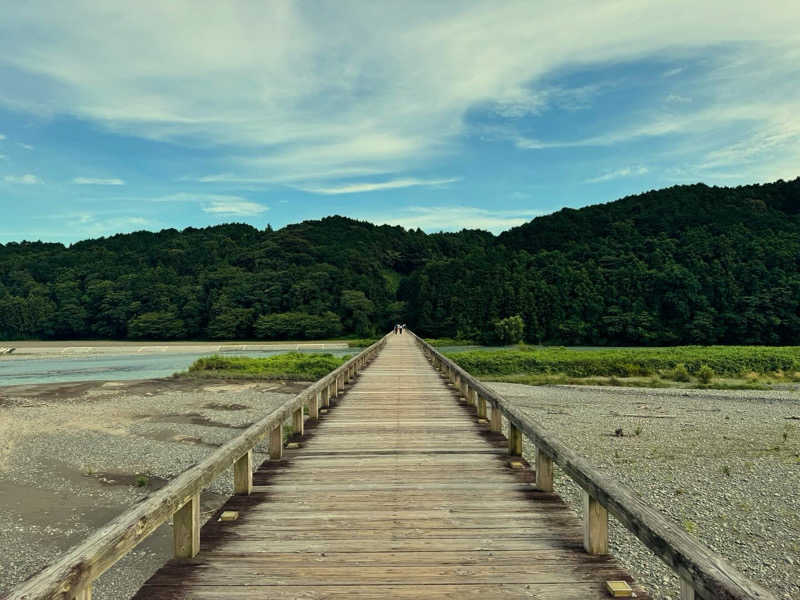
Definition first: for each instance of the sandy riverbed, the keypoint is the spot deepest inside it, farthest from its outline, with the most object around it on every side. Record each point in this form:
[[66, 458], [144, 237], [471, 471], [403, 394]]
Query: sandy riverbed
[[716, 462], [73, 456]]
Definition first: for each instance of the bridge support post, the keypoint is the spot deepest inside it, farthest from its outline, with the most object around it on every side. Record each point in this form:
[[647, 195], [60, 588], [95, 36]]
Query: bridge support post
[[313, 405], [544, 472], [687, 591], [297, 421], [243, 475], [496, 423], [514, 440], [83, 593], [186, 529], [595, 526], [276, 442], [457, 383], [480, 401], [326, 396]]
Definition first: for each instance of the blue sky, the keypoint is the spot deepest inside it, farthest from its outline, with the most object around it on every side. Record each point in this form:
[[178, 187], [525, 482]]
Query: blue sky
[[122, 116]]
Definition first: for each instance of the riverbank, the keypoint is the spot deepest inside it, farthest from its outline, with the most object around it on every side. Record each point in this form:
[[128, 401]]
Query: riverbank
[[74, 455], [725, 465]]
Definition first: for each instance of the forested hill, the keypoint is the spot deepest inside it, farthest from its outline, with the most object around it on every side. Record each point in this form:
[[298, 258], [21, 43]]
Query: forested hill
[[688, 264]]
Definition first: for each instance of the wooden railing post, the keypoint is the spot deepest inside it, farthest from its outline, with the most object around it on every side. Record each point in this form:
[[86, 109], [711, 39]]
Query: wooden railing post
[[297, 421], [544, 472], [687, 591], [276, 442], [595, 525], [313, 405], [326, 396], [186, 529], [457, 383], [83, 593], [496, 422], [514, 440], [243, 475], [480, 402]]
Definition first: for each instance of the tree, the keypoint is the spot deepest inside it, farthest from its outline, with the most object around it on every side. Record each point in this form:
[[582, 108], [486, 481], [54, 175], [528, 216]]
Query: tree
[[509, 330], [156, 325]]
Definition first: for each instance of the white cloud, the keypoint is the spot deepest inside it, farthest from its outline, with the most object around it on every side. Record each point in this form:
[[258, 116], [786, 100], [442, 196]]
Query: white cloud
[[27, 179], [218, 204], [25, 146], [355, 188], [235, 208], [96, 181], [624, 172], [678, 99], [315, 88], [452, 218], [2, 137]]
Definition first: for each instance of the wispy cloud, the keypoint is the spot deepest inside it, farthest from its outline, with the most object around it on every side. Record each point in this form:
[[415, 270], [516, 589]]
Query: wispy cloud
[[27, 179], [678, 99], [235, 208], [218, 204], [25, 146], [2, 137], [97, 181], [624, 172], [392, 98], [355, 188], [452, 218]]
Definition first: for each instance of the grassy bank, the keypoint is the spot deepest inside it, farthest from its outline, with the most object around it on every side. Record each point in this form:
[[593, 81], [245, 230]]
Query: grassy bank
[[294, 366], [700, 366]]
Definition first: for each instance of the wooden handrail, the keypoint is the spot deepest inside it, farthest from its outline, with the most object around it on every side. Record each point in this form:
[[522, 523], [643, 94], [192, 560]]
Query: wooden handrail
[[702, 571], [70, 576]]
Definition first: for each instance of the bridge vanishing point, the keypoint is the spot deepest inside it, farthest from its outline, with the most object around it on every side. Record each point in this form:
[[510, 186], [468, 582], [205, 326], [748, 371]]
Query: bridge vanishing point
[[399, 484]]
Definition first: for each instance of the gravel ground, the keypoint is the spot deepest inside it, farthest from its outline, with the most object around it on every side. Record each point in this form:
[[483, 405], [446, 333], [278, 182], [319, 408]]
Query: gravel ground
[[73, 457], [723, 464], [716, 462]]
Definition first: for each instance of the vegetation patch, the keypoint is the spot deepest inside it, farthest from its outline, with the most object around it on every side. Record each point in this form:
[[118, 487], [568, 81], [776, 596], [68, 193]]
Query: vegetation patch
[[726, 367], [289, 366]]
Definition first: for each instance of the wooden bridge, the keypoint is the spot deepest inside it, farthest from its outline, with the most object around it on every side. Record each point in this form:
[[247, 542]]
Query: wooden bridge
[[402, 485]]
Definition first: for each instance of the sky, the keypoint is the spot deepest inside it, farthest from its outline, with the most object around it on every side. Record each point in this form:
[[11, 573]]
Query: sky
[[122, 116]]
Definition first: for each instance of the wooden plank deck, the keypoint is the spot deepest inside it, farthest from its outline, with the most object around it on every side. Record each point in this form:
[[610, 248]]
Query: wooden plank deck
[[398, 492]]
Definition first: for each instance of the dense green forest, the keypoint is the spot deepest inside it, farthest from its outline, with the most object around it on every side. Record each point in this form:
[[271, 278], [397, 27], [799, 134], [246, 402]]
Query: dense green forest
[[684, 265]]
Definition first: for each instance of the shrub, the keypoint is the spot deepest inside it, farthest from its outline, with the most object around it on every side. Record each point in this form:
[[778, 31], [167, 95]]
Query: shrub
[[509, 330], [291, 365], [705, 374], [680, 373]]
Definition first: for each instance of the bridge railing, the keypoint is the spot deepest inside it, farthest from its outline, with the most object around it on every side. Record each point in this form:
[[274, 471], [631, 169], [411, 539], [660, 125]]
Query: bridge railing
[[70, 577], [703, 573]]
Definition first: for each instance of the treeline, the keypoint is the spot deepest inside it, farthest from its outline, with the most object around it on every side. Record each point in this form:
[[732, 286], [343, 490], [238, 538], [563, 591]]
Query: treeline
[[684, 265]]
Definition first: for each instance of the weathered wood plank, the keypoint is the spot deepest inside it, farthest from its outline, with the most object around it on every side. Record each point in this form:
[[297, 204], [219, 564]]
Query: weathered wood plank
[[704, 570]]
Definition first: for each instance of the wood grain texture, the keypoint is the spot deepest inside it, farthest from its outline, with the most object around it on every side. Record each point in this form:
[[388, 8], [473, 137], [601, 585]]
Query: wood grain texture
[[398, 492], [186, 529], [243, 474]]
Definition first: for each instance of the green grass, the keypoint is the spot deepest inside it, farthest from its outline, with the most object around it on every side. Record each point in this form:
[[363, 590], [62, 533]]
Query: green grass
[[289, 366], [717, 367], [361, 342], [439, 342], [731, 361]]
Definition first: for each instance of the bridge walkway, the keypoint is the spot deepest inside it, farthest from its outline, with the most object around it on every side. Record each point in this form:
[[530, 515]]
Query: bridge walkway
[[397, 492]]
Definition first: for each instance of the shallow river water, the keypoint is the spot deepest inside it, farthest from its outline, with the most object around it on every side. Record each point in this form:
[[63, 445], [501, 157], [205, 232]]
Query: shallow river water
[[103, 367]]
